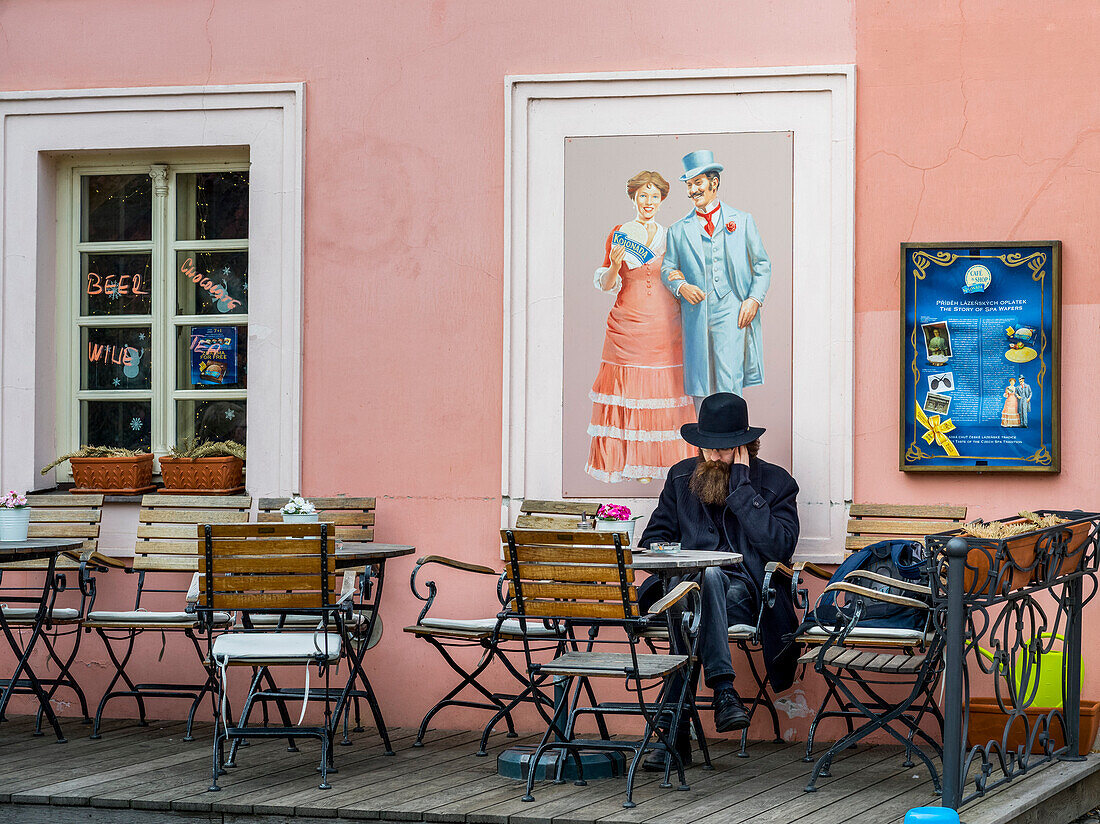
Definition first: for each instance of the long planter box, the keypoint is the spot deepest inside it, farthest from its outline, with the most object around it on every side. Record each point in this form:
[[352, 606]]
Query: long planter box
[[202, 476], [113, 476], [987, 723], [1028, 555]]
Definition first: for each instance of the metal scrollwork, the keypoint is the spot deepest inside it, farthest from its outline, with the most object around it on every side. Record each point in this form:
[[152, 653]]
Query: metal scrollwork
[[1018, 645]]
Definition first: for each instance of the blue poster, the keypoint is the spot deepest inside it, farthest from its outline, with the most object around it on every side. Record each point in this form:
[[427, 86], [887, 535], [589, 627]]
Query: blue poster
[[213, 355], [980, 357]]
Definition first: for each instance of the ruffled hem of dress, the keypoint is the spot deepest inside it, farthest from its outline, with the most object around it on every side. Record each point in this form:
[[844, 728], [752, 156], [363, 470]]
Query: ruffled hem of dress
[[639, 403], [628, 473], [633, 435]]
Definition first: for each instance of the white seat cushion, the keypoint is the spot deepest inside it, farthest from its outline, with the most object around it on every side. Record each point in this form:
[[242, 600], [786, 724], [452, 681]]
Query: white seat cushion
[[739, 631], [275, 647], [892, 634], [535, 627], [296, 621], [27, 614], [140, 616]]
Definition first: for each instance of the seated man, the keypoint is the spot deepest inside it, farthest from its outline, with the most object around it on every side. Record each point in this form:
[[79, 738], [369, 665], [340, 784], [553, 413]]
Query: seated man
[[729, 500]]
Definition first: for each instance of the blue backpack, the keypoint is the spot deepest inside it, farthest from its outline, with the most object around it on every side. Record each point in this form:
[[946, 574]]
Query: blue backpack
[[903, 560]]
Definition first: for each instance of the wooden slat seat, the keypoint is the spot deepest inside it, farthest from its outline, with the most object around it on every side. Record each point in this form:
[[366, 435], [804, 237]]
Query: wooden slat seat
[[851, 659], [613, 664]]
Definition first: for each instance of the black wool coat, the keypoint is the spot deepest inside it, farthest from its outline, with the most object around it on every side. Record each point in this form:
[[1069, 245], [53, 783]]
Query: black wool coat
[[760, 517]]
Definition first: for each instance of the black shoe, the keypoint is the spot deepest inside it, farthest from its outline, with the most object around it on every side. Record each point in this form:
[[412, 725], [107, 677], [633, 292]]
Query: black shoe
[[656, 760], [729, 712]]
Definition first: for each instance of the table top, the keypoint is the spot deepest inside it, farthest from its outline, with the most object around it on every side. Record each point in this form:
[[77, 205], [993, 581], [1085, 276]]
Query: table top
[[684, 559], [34, 548], [367, 551]]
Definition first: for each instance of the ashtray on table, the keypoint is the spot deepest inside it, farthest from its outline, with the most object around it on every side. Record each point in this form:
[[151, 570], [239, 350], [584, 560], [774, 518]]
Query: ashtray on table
[[664, 548]]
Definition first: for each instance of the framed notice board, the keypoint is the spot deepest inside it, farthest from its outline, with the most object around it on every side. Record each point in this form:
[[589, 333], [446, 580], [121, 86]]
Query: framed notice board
[[980, 332]]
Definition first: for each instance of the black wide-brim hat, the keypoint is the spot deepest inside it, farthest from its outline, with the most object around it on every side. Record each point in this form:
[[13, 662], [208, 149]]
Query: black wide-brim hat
[[723, 423]]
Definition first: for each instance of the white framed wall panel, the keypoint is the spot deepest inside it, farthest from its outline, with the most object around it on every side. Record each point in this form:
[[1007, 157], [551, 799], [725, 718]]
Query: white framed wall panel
[[817, 105], [37, 126]]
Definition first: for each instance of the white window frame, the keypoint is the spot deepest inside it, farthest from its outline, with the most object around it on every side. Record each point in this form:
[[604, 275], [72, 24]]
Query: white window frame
[[39, 130], [163, 320], [817, 105]]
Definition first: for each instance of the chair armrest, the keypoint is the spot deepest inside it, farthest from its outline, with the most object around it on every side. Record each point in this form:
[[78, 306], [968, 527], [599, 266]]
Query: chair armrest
[[813, 569], [93, 557], [775, 566], [430, 586], [876, 595], [424, 560], [886, 579], [677, 593], [193, 590], [347, 587]]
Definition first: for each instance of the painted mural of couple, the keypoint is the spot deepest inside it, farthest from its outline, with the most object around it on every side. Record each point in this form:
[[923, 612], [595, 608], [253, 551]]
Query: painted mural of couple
[[686, 322]]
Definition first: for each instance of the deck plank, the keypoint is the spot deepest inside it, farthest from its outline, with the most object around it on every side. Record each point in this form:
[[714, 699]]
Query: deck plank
[[142, 775]]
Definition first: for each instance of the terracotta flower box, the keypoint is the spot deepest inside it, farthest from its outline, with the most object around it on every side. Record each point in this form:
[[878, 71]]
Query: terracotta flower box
[[113, 476], [202, 476]]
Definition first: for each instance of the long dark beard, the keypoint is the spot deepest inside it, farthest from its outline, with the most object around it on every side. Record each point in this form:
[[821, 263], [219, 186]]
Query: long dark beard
[[710, 482]]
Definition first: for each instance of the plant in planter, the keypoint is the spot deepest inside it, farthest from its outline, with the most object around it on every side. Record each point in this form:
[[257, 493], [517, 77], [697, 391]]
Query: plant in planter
[[15, 516], [616, 518], [109, 470], [299, 511], [203, 468]]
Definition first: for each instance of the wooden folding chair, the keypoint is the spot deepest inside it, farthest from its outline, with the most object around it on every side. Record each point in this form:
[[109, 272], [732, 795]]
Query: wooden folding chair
[[282, 569], [868, 524], [166, 562], [583, 579], [59, 516], [866, 669], [492, 634]]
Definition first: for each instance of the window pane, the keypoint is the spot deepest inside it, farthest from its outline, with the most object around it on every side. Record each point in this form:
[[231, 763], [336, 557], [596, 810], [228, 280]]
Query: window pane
[[116, 207], [220, 420], [115, 284], [115, 423], [211, 357], [209, 283], [115, 357], [212, 206]]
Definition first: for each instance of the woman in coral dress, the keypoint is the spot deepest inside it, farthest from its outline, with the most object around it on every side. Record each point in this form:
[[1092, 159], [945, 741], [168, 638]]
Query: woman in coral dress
[[638, 400], [1010, 414]]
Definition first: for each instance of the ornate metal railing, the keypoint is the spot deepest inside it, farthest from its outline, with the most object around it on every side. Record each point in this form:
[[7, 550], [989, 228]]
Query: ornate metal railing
[[1003, 606]]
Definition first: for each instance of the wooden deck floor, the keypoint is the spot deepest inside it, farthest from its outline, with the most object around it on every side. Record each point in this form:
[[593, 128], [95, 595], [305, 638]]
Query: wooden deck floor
[[148, 774]]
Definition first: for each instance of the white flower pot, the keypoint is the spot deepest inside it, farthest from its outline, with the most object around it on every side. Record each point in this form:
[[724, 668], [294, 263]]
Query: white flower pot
[[603, 525], [302, 518], [13, 523]]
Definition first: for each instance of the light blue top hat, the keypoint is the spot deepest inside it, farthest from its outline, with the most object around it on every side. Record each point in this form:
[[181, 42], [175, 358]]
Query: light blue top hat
[[698, 162]]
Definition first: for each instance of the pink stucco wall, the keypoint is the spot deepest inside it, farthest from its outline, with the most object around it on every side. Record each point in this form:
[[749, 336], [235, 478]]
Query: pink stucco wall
[[974, 122]]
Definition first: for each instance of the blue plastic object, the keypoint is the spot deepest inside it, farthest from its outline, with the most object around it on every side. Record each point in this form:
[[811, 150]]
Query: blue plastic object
[[931, 815]]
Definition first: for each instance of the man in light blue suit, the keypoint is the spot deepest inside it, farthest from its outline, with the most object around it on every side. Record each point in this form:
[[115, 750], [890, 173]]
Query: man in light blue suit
[[715, 264], [1023, 398]]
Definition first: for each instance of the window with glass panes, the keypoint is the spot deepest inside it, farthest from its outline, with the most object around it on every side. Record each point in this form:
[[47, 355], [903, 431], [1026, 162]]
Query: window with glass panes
[[160, 313]]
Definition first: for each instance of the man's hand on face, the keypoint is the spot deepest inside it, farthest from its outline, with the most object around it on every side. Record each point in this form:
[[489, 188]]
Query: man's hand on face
[[748, 311], [692, 294], [741, 456]]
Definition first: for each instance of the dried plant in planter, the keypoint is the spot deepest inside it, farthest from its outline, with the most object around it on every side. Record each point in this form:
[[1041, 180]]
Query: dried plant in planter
[[999, 530], [95, 452], [203, 468], [191, 448], [109, 470]]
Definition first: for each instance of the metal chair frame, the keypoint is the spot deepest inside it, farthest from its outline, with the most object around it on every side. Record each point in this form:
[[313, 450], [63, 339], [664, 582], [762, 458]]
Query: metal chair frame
[[847, 665], [584, 579], [266, 569]]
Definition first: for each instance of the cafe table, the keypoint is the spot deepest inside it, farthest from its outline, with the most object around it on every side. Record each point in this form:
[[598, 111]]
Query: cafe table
[[369, 560], [24, 677]]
